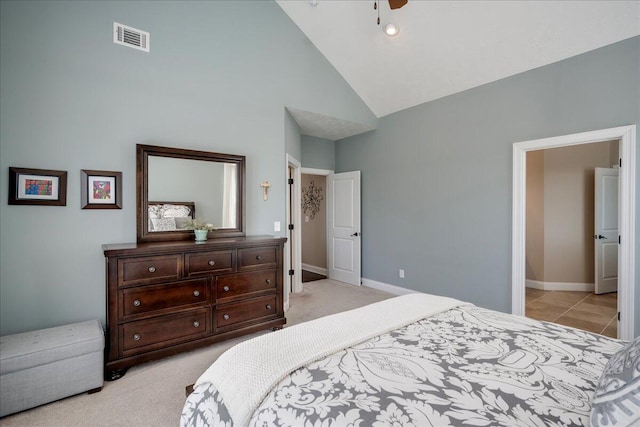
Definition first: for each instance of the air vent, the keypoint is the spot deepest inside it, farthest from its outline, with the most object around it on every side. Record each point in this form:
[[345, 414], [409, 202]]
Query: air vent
[[132, 37]]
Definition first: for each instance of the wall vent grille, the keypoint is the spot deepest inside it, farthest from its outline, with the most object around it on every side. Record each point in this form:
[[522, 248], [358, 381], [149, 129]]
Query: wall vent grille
[[131, 37]]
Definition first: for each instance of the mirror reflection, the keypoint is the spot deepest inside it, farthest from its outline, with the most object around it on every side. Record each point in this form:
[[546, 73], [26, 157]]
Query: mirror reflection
[[183, 189]]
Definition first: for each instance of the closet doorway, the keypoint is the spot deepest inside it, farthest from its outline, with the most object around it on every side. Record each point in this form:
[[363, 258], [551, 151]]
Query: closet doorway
[[314, 223]]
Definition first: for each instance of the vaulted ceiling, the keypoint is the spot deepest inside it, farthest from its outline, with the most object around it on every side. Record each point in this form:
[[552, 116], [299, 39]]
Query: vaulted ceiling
[[446, 47]]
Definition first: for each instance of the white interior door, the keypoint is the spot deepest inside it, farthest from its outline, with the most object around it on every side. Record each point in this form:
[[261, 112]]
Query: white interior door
[[606, 230], [343, 227]]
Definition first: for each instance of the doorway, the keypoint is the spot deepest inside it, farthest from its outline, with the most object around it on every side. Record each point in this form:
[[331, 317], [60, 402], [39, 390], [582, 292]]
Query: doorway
[[626, 261], [348, 220], [314, 265], [560, 246], [314, 226]]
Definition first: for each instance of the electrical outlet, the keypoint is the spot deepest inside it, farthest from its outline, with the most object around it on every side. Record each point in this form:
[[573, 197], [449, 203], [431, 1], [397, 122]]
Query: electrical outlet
[[401, 273], [276, 226]]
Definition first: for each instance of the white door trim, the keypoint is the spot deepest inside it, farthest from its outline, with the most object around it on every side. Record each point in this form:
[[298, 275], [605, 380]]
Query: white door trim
[[294, 264], [626, 255]]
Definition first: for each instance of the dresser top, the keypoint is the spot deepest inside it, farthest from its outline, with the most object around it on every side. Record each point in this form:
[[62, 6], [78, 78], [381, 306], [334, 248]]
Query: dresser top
[[137, 248]]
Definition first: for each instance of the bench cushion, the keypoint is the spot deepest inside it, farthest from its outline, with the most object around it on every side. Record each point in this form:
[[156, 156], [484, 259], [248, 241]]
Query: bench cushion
[[30, 349]]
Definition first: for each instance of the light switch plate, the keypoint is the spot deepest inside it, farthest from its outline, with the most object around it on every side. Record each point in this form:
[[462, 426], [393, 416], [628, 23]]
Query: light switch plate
[[276, 226]]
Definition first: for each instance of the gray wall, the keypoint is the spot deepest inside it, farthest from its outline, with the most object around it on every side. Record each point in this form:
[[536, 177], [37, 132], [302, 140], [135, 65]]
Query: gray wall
[[292, 138], [436, 178], [218, 78], [318, 153]]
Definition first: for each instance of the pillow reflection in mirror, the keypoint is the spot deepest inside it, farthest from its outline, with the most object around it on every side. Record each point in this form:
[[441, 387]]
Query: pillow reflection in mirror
[[175, 211], [163, 224], [154, 212]]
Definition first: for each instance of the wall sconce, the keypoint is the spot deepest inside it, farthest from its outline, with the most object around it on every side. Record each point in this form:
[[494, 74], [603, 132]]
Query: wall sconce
[[265, 189]]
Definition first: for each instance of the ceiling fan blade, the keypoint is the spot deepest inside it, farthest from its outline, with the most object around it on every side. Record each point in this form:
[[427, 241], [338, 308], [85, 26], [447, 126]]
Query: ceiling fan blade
[[397, 4]]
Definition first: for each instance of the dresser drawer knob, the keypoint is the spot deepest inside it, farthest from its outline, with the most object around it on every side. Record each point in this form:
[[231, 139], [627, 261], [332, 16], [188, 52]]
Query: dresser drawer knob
[[259, 257], [137, 303], [226, 288], [196, 293], [268, 307], [196, 324], [136, 337], [226, 317], [212, 263], [268, 281], [152, 269]]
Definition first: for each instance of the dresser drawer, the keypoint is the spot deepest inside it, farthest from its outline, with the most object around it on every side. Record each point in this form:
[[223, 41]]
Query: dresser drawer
[[155, 269], [197, 264], [145, 335], [256, 308], [150, 299], [252, 258], [235, 285]]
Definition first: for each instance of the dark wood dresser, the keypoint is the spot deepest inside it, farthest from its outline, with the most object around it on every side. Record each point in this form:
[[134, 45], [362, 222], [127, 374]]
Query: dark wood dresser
[[167, 297]]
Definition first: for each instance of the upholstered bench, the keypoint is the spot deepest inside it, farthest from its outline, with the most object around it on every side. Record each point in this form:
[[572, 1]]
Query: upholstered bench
[[41, 366]]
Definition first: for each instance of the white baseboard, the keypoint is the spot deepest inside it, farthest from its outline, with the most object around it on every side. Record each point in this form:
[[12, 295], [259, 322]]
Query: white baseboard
[[314, 269], [559, 286], [392, 289]]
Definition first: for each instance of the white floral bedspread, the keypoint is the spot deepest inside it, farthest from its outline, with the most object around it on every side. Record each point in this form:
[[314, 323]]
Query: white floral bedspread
[[465, 366]]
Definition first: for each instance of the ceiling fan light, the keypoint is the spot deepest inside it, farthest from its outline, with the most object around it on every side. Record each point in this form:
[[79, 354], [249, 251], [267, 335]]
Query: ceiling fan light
[[391, 30]]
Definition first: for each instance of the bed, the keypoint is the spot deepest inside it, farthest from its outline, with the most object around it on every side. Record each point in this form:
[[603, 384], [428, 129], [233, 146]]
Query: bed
[[421, 360]]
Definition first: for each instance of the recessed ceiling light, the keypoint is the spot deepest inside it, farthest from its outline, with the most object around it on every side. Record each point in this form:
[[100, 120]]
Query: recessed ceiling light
[[391, 30]]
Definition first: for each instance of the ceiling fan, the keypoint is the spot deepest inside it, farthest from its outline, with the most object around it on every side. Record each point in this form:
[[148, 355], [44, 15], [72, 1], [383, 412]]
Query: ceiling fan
[[393, 4], [397, 4]]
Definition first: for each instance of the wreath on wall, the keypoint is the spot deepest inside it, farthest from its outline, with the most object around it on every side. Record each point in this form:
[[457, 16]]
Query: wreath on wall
[[311, 198]]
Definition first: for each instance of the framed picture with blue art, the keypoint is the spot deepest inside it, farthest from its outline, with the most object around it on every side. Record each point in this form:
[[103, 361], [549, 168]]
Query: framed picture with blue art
[[37, 187], [101, 189]]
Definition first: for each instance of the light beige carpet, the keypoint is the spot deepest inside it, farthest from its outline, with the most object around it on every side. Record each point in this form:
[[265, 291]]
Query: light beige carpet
[[153, 394]]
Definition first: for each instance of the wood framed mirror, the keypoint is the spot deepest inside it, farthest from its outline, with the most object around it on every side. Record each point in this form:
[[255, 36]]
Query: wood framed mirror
[[174, 185]]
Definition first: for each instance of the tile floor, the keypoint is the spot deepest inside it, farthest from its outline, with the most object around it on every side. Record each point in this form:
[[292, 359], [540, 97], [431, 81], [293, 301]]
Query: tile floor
[[584, 310]]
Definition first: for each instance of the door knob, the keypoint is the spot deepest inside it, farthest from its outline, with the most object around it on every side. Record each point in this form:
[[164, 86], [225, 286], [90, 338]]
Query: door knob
[[356, 234], [599, 237]]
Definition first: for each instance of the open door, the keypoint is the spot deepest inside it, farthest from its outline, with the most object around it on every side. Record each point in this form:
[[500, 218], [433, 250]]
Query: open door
[[343, 227], [606, 230]]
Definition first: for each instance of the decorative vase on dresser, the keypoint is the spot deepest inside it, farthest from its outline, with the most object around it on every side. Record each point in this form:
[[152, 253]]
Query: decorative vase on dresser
[[167, 297], [201, 235]]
